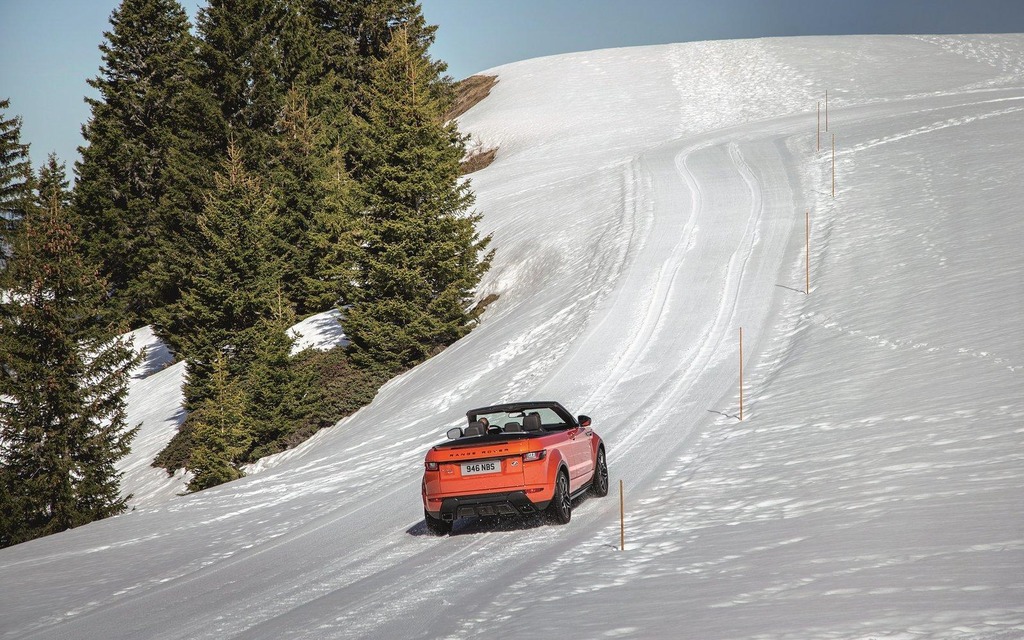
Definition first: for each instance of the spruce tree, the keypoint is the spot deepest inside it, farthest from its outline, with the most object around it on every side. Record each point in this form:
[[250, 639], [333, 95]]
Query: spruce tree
[[15, 178], [315, 198], [351, 36], [52, 185], [143, 166], [243, 69], [332, 239], [63, 383], [232, 290], [297, 167], [332, 83], [268, 381], [421, 257], [223, 430], [277, 70], [372, 24], [233, 308]]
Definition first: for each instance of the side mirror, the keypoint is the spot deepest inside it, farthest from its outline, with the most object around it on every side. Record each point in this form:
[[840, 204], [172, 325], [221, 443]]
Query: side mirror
[[455, 433], [584, 421]]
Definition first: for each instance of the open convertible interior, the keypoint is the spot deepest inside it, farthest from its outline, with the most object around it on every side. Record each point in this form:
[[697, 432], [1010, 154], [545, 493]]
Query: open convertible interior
[[513, 419]]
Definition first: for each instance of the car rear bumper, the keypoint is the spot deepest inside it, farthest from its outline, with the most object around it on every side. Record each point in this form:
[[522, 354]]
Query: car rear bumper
[[488, 504]]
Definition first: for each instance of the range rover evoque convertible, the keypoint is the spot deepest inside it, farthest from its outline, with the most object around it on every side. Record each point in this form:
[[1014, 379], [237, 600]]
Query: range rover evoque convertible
[[513, 459]]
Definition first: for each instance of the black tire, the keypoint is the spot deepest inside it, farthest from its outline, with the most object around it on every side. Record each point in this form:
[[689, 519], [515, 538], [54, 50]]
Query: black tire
[[436, 527], [559, 509], [599, 485]]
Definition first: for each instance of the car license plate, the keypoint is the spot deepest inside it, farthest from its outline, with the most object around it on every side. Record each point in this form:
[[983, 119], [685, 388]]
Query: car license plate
[[477, 468]]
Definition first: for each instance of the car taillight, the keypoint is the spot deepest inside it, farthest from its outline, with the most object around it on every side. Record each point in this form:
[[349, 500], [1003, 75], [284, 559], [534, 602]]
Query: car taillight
[[533, 456], [431, 466]]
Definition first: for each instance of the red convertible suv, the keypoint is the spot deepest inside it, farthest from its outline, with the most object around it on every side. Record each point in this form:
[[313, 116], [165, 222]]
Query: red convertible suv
[[516, 458]]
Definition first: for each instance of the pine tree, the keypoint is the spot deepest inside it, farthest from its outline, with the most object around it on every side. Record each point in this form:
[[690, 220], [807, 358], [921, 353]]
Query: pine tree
[[63, 383], [276, 71], [15, 178], [222, 428], [233, 311], [315, 203], [300, 60], [143, 167], [332, 84], [372, 24], [332, 239], [351, 36], [242, 67], [296, 174], [268, 380], [421, 256], [52, 185], [232, 290]]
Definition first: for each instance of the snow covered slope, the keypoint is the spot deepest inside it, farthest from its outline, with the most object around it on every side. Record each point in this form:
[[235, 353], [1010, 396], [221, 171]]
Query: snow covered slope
[[646, 204], [154, 405]]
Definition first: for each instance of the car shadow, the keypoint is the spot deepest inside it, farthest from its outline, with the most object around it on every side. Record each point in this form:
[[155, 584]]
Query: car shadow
[[493, 524], [484, 524]]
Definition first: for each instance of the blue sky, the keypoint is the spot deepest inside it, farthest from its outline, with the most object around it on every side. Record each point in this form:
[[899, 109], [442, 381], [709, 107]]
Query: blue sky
[[49, 48]]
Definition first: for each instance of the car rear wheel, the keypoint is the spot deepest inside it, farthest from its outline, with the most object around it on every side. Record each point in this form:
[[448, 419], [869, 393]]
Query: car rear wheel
[[436, 527], [600, 483], [559, 510]]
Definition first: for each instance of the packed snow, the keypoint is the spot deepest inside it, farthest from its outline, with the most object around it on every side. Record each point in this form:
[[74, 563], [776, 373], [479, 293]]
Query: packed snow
[[321, 331], [646, 204]]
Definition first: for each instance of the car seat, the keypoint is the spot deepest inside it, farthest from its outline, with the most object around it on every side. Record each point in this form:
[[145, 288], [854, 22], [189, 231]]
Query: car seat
[[531, 422]]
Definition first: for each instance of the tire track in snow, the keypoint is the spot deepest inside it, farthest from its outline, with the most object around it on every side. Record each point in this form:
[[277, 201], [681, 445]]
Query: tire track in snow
[[715, 339], [655, 306], [937, 126]]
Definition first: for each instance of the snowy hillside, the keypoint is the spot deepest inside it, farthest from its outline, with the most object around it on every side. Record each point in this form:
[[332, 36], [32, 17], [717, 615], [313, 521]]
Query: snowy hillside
[[647, 204], [155, 401]]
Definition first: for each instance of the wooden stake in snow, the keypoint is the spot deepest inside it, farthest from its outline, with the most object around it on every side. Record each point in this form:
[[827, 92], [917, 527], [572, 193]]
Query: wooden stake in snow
[[622, 518], [741, 374]]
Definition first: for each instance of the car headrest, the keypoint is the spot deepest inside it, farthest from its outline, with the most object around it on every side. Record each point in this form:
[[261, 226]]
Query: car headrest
[[531, 422], [475, 428]]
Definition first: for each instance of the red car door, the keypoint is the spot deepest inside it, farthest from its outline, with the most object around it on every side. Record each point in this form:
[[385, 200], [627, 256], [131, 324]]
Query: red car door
[[581, 464]]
